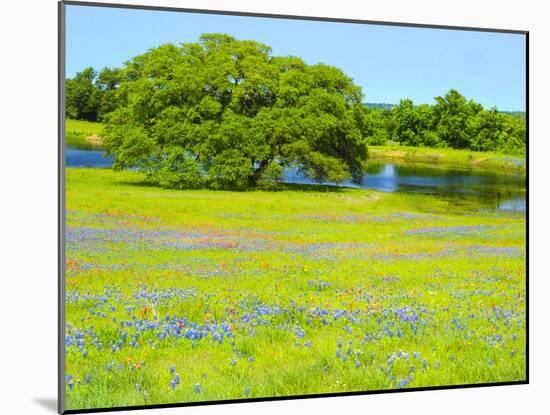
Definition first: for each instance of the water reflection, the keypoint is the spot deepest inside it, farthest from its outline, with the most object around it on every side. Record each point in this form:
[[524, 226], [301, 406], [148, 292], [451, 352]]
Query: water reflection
[[496, 191]]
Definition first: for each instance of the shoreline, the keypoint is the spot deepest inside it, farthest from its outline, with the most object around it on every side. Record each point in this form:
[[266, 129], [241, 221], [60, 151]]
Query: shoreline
[[450, 158]]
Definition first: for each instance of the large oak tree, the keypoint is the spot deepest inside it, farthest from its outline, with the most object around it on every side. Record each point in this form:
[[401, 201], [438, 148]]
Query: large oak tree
[[229, 114]]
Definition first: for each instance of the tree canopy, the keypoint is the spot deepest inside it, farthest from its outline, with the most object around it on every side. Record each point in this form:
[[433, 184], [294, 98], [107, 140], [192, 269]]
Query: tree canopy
[[228, 114]]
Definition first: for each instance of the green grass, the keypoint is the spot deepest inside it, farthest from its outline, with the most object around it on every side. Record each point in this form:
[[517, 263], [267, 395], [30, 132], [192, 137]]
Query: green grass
[[77, 132], [450, 157], [411, 284]]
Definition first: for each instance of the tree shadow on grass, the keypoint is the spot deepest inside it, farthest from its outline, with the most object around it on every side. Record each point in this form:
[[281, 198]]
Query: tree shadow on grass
[[300, 187], [279, 187]]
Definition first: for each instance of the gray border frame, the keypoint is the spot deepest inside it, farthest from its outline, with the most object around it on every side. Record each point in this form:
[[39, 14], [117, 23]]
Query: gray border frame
[[62, 207]]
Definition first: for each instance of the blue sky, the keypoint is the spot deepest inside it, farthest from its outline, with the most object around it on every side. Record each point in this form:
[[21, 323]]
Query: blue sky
[[388, 62]]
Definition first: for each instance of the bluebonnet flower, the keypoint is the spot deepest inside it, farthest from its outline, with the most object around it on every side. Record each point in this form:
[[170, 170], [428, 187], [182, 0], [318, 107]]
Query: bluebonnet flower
[[175, 381], [69, 340], [233, 362], [416, 355], [246, 391], [251, 359], [88, 379], [197, 388], [299, 332], [172, 369]]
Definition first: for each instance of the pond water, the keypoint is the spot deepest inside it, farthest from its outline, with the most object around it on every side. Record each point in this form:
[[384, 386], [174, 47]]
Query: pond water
[[504, 192], [75, 157]]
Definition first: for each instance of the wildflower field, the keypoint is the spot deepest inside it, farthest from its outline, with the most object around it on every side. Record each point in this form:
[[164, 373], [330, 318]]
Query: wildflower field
[[179, 296]]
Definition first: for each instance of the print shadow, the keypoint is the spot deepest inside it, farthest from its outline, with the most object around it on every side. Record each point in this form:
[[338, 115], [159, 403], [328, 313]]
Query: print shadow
[[48, 403]]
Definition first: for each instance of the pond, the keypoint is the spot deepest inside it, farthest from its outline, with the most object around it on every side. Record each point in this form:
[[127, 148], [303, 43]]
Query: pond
[[75, 157], [505, 192]]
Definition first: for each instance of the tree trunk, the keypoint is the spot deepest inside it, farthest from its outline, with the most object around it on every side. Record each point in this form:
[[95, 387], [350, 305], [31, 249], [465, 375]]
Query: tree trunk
[[257, 172]]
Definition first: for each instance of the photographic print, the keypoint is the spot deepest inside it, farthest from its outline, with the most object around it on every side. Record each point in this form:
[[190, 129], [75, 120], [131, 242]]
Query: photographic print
[[266, 207]]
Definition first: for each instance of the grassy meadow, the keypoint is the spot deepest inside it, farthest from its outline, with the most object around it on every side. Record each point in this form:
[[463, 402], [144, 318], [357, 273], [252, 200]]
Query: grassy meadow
[[198, 295]]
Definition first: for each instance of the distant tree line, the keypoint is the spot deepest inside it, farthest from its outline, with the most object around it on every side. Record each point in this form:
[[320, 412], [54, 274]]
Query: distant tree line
[[225, 113], [91, 95], [452, 122]]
